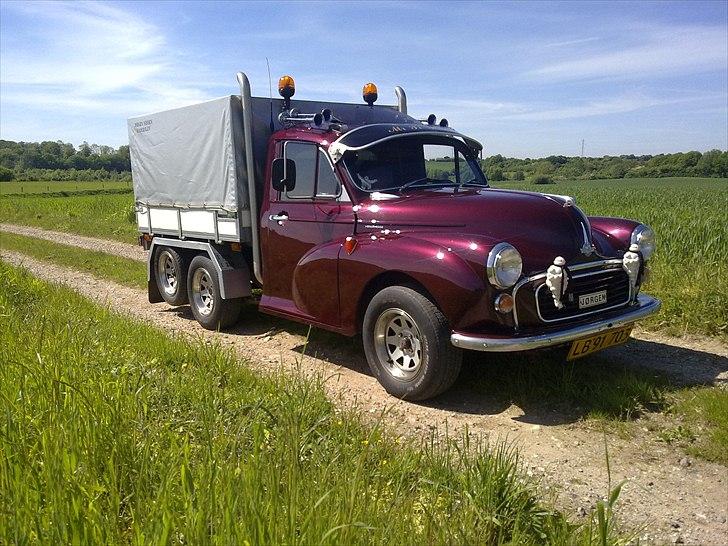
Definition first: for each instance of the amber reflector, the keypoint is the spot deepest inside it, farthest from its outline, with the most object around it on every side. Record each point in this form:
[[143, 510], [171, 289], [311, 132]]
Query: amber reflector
[[350, 245]]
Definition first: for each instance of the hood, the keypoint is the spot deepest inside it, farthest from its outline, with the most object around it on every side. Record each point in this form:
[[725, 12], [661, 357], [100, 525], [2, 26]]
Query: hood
[[540, 226]]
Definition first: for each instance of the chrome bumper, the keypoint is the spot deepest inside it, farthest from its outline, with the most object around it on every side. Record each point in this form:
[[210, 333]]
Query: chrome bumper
[[646, 305]]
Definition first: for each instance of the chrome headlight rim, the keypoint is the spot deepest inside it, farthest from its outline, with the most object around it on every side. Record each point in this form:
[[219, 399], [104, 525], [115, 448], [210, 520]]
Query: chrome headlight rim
[[494, 264], [644, 237]]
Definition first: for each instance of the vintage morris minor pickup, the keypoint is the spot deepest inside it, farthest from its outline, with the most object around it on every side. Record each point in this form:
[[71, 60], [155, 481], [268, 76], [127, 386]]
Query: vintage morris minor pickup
[[336, 213]]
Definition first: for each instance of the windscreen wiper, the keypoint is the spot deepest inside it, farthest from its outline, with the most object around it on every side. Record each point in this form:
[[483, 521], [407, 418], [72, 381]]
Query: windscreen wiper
[[435, 182]]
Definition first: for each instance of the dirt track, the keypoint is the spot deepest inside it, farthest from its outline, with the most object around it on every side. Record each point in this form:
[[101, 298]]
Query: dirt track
[[678, 502]]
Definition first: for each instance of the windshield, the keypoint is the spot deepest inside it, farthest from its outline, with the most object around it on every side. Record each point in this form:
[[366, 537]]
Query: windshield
[[414, 162]]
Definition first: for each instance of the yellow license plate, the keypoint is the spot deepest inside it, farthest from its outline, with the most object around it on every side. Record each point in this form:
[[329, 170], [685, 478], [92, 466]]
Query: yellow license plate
[[592, 344]]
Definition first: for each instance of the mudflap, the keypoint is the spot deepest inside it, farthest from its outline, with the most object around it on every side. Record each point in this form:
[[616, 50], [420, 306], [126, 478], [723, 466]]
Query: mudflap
[[153, 292]]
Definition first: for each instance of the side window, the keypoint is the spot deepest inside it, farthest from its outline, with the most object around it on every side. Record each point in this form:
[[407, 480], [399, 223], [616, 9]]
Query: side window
[[328, 184], [440, 162], [465, 171], [305, 157]]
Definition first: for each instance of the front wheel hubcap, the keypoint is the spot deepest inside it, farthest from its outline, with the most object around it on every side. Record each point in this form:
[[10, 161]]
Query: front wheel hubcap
[[203, 294], [398, 343]]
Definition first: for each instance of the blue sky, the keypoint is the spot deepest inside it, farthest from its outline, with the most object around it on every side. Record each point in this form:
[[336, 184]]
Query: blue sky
[[527, 79]]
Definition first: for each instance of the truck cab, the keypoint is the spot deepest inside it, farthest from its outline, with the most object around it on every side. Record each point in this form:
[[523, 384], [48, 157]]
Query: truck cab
[[361, 219]]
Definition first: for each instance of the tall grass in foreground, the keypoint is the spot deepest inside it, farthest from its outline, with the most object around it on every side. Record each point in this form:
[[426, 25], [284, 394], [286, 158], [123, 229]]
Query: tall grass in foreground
[[113, 433]]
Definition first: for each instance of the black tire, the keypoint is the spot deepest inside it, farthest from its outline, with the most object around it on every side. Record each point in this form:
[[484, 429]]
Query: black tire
[[170, 273], [433, 365], [203, 287]]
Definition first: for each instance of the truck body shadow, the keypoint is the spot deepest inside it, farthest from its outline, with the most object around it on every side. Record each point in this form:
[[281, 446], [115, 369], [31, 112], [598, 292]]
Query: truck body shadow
[[547, 389]]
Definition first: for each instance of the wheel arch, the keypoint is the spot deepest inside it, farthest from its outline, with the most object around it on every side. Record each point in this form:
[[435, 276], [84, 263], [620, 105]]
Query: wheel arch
[[384, 280], [235, 281]]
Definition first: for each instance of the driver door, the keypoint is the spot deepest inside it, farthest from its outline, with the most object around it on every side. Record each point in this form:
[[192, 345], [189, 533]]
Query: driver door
[[300, 257]]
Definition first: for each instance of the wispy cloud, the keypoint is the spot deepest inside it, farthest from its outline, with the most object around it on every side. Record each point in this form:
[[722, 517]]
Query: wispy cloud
[[81, 55], [543, 111], [576, 41], [660, 51]]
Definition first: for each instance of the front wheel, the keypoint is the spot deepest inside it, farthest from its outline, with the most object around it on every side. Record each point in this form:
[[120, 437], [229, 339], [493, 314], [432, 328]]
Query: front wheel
[[407, 344], [203, 288]]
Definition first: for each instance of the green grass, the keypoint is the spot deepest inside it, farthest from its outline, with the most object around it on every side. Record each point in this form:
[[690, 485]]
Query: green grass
[[113, 433], [704, 433], [103, 215], [36, 187], [121, 270], [689, 215]]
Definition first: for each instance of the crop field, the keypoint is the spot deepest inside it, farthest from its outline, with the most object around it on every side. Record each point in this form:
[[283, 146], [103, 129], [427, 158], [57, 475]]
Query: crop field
[[122, 435], [109, 216], [689, 270], [36, 187]]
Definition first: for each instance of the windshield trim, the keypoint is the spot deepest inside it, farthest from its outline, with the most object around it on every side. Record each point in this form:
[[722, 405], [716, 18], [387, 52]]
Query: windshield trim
[[450, 136], [338, 149]]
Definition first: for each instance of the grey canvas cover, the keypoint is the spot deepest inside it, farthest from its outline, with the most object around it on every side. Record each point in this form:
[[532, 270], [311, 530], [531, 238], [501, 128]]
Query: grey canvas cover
[[190, 157]]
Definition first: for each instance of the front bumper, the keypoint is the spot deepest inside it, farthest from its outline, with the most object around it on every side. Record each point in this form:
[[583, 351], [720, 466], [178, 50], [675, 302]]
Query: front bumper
[[645, 306]]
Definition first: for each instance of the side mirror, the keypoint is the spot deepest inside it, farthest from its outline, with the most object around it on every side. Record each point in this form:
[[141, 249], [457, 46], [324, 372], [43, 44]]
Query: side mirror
[[284, 174]]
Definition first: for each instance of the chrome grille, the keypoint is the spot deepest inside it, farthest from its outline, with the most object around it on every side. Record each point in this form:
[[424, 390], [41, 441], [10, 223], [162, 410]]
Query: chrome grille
[[614, 281]]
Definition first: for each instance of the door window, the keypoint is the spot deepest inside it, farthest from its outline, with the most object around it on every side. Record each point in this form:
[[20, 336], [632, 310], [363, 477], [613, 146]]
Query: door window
[[304, 155], [314, 174], [328, 185]]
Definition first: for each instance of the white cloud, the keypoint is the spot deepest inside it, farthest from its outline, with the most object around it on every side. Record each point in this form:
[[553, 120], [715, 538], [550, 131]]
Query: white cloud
[[80, 55], [661, 51]]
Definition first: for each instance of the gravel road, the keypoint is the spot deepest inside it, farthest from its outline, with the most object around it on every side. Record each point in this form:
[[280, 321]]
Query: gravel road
[[677, 498]]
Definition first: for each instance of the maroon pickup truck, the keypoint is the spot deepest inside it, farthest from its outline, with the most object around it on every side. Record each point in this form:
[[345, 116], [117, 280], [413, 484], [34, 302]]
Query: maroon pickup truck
[[343, 219]]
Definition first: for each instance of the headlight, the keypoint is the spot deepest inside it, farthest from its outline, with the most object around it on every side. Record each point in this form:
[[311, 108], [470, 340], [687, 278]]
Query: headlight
[[504, 266], [644, 238]]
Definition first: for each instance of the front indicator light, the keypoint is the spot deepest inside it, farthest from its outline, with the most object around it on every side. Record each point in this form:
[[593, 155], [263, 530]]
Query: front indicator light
[[504, 303]]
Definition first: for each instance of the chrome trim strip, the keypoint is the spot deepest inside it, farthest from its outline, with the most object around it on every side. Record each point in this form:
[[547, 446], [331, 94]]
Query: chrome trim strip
[[579, 315], [647, 305]]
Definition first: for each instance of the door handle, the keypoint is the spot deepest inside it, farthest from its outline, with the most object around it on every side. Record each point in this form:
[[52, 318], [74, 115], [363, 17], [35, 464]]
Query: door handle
[[282, 217]]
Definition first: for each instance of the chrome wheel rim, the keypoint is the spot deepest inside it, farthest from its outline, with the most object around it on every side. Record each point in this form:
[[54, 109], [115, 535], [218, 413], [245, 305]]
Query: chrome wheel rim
[[167, 273], [398, 343], [203, 294]]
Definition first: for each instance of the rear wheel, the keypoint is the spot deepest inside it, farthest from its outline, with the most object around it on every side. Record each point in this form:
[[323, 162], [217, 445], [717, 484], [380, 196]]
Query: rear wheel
[[208, 307], [170, 269], [407, 343]]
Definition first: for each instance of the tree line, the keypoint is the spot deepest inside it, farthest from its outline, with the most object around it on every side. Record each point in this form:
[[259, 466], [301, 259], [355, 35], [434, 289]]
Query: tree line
[[56, 160], [709, 164]]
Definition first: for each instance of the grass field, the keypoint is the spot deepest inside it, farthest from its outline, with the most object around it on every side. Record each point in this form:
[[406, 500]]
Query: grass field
[[113, 433], [102, 215], [36, 187], [689, 270]]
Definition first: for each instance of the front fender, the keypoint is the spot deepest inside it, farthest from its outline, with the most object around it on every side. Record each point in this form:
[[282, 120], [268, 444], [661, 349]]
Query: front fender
[[457, 286], [611, 234]]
